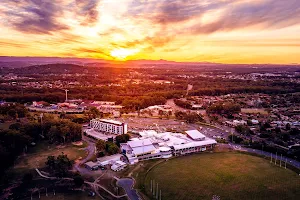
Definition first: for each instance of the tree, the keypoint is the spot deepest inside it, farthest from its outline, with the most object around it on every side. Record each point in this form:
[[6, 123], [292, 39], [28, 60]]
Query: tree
[[53, 133], [100, 145], [64, 131], [94, 113], [122, 139], [12, 113], [242, 129], [277, 130], [51, 162], [62, 165], [288, 126], [235, 138], [78, 180], [160, 113], [226, 108], [27, 178], [15, 126], [112, 148], [294, 131], [190, 117]]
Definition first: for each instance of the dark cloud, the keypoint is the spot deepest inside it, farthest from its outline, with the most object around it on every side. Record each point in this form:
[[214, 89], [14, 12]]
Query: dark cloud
[[88, 9], [173, 11], [271, 14], [96, 51], [35, 16]]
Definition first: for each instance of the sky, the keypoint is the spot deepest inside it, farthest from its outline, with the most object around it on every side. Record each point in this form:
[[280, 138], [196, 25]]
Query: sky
[[222, 31]]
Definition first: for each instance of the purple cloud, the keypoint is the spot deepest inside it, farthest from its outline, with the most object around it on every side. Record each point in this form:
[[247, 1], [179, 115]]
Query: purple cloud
[[34, 16]]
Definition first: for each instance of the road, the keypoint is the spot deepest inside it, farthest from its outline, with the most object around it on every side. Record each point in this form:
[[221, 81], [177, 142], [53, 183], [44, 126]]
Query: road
[[91, 152], [127, 185], [267, 154]]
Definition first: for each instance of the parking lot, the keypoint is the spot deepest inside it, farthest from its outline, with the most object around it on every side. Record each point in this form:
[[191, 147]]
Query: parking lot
[[136, 124]]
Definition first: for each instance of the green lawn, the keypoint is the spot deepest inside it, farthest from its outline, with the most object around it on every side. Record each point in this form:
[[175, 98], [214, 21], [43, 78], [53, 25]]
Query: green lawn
[[38, 154], [228, 175]]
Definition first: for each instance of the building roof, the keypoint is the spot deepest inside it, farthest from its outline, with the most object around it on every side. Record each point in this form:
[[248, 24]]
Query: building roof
[[194, 144], [195, 134], [118, 164], [143, 149], [97, 135], [139, 143], [91, 164], [109, 121]]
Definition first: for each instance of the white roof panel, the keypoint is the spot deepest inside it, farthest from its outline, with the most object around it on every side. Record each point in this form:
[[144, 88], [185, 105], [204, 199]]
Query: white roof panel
[[195, 134], [143, 150], [139, 143], [195, 144]]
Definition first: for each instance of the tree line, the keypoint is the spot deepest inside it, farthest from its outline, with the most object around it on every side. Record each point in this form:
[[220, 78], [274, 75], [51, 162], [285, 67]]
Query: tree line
[[19, 137]]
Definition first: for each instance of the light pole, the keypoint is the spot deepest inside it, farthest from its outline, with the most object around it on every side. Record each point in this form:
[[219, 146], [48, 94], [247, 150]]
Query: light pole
[[66, 90], [41, 116]]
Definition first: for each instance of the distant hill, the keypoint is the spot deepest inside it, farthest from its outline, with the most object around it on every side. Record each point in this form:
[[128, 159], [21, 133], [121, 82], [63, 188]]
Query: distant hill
[[20, 62], [16, 62]]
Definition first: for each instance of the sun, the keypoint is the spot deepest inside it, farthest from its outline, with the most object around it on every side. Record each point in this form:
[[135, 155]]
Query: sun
[[122, 53]]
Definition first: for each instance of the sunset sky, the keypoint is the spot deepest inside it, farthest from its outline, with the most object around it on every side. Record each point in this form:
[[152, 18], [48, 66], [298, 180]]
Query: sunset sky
[[223, 31]]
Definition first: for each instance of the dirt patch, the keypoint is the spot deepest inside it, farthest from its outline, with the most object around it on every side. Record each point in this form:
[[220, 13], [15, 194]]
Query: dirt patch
[[80, 143]]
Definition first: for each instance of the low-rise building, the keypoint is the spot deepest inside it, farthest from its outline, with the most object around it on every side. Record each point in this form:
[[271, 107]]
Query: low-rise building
[[92, 165], [118, 166], [154, 145]]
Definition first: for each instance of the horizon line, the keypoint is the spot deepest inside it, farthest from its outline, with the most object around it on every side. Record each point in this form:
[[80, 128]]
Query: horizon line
[[150, 60]]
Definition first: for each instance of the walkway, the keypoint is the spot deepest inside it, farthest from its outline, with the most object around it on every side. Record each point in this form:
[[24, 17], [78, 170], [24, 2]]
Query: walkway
[[94, 185], [127, 185]]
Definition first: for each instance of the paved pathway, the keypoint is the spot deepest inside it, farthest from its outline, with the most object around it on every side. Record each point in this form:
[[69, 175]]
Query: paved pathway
[[91, 152], [94, 185], [127, 185]]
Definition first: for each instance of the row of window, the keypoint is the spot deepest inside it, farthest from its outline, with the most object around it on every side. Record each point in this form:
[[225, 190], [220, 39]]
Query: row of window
[[100, 126]]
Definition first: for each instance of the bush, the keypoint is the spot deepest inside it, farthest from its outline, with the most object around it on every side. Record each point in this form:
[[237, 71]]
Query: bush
[[112, 148], [27, 178], [235, 139], [78, 180]]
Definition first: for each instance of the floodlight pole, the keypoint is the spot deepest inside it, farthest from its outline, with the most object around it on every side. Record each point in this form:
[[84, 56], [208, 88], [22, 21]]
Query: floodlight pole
[[276, 159], [153, 188], [285, 163], [271, 158], [159, 194], [157, 191]]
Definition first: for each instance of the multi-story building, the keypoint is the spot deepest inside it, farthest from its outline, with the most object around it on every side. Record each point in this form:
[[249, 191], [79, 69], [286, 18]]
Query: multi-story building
[[109, 126]]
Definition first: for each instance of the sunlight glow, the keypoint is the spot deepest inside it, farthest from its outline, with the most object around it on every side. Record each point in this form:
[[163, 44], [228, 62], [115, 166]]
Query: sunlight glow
[[122, 54]]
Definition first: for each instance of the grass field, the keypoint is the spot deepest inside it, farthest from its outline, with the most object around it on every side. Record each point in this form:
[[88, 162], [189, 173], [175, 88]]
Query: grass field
[[38, 155], [228, 175]]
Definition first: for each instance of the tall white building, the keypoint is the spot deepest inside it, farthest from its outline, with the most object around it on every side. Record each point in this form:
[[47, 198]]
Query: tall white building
[[109, 126]]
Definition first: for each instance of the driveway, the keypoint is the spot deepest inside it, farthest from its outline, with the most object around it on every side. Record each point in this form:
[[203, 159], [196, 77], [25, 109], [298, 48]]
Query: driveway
[[91, 151], [127, 185]]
